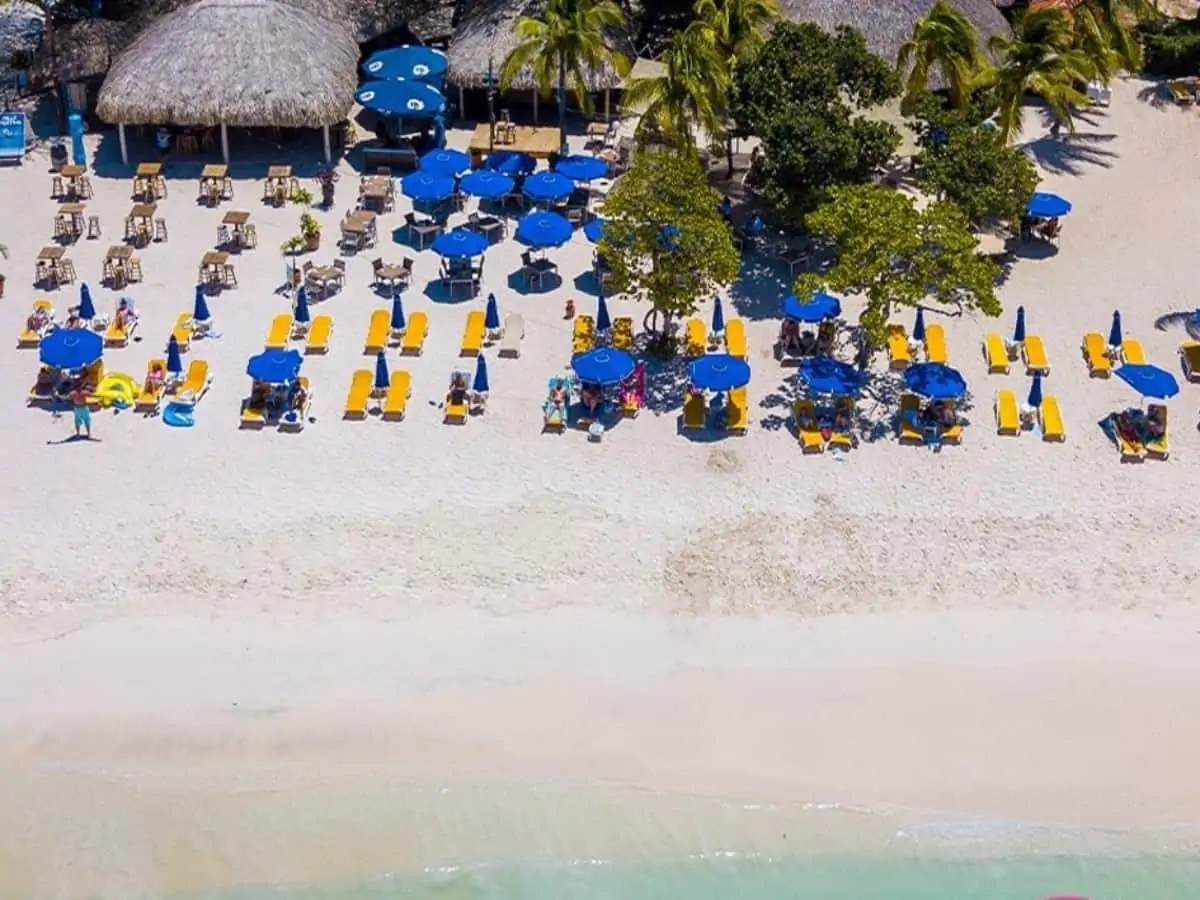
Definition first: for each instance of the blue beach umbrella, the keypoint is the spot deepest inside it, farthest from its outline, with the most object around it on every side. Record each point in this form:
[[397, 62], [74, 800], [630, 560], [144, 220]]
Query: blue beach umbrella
[[1114, 333], [491, 318], [174, 360], [1035, 391], [200, 305], [603, 322], [459, 243], [543, 229], [918, 333], [718, 317], [383, 378], [426, 187], [756, 225], [510, 162], [480, 384], [398, 320], [450, 163], [581, 168], [275, 366], [935, 381], [486, 184], [1047, 206], [71, 348], [1019, 329], [548, 187], [719, 372], [408, 62], [603, 366], [300, 313], [408, 99], [87, 309], [594, 230], [667, 235], [1149, 381], [818, 308], [826, 375]]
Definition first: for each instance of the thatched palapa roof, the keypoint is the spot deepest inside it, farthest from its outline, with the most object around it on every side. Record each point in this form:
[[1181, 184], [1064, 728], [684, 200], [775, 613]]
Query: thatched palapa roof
[[249, 63]]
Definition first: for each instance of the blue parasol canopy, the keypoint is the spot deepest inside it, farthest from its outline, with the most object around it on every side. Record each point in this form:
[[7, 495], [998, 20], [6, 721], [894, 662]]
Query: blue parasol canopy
[[510, 162], [408, 99], [1149, 381], [756, 225], [300, 312], [480, 384], [450, 163], [818, 308], [486, 184], [383, 378], [918, 332], [1019, 329], [594, 230], [1035, 391], [398, 320], [603, 366], [581, 168], [408, 62], [1114, 332], [174, 359], [543, 229], [935, 381], [1047, 206], [603, 322], [461, 242], [548, 187], [426, 186], [491, 317], [71, 348], [826, 375], [719, 372], [200, 306], [87, 309], [275, 366], [718, 317]]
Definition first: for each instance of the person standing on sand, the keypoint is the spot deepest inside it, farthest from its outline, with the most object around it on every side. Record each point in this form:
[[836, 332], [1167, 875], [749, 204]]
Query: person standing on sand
[[83, 415]]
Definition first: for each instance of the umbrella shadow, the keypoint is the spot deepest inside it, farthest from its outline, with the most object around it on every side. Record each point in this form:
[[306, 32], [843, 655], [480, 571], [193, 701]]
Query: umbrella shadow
[[519, 284], [1037, 248], [1072, 155], [439, 291], [587, 283], [405, 238], [876, 407], [761, 284]]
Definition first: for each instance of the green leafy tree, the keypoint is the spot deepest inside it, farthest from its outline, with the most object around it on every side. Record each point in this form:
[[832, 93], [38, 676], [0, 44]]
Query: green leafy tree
[[665, 241], [943, 40], [894, 255], [1105, 30], [689, 93], [800, 94], [567, 41]]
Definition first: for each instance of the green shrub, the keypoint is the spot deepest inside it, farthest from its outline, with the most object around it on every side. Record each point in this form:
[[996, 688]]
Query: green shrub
[[1172, 47]]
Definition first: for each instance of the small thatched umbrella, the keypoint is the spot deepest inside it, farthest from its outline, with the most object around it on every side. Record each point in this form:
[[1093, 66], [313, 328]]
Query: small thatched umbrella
[[248, 63]]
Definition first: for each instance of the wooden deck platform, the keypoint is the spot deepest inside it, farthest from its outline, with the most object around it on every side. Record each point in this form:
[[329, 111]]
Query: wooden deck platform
[[538, 142]]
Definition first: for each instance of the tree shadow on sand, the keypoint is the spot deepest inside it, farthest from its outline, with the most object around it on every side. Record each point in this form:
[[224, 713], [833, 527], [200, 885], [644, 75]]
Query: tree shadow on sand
[[1157, 95], [666, 382], [1072, 155], [761, 284]]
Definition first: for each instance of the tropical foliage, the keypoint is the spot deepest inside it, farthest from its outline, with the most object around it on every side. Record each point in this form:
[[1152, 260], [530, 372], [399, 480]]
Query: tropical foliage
[[945, 41]]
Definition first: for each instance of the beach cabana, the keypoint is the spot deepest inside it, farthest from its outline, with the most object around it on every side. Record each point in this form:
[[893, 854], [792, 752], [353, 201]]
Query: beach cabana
[[245, 63]]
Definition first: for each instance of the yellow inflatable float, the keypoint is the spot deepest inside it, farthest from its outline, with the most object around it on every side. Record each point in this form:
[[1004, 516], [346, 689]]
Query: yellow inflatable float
[[116, 388]]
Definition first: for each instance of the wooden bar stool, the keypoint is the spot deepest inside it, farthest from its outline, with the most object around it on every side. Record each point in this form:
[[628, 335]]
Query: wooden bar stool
[[160, 230], [134, 269], [93, 227], [56, 187], [66, 271]]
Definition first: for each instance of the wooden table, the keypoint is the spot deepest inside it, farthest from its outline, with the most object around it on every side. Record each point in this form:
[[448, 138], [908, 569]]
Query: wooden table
[[280, 184], [537, 142], [139, 221], [215, 268], [119, 253], [148, 181], [68, 220], [214, 171], [49, 260], [215, 184], [117, 264], [359, 227], [72, 171], [77, 184], [236, 218], [279, 173]]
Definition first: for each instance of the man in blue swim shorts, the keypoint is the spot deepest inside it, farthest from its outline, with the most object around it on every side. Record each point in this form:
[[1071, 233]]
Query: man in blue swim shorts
[[83, 415]]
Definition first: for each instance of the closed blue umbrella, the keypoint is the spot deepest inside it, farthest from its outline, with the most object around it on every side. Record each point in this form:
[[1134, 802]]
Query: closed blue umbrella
[[275, 366], [408, 62], [383, 378], [408, 99], [603, 366], [719, 372], [1114, 333], [594, 230], [548, 187], [300, 313], [581, 168], [543, 229], [1149, 381], [200, 306], [1019, 329], [510, 162], [491, 318], [426, 186], [174, 359], [87, 309], [918, 333], [460, 242], [398, 321], [1047, 206], [449, 163], [935, 381], [603, 322], [485, 184], [826, 375], [818, 308], [480, 384], [71, 348], [1035, 391], [718, 317]]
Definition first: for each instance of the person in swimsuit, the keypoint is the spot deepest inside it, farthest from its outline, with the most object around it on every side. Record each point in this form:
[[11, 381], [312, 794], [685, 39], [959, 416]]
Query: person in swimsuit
[[79, 404]]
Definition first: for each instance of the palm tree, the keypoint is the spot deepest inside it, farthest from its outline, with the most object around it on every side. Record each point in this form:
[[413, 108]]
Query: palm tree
[[1103, 31], [944, 40], [1040, 58], [688, 93], [565, 44]]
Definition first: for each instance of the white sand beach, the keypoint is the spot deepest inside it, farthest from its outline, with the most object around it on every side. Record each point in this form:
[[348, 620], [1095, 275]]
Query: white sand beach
[[1003, 629]]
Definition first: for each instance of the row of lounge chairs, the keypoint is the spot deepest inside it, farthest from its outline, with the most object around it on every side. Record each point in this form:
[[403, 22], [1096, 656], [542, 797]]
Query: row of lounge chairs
[[812, 436], [584, 336], [117, 330], [736, 411], [393, 401], [900, 349], [1000, 353], [697, 341], [1010, 421], [1101, 358], [257, 414], [315, 334]]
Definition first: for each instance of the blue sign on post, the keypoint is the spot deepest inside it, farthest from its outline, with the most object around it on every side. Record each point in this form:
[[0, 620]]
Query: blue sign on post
[[12, 135]]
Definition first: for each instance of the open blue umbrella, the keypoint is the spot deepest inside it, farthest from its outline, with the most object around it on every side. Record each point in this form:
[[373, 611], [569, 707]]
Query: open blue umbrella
[[935, 381], [1149, 381], [486, 184], [461, 242], [426, 186], [398, 321], [1114, 333], [719, 372], [408, 99], [1035, 391], [275, 366], [510, 162], [87, 309], [383, 378], [718, 317], [450, 163], [174, 359], [818, 308], [1019, 329], [300, 312], [491, 318], [581, 168], [409, 62], [826, 375], [603, 322], [918, 333], [1047, 206], [543, 229], [480, 384], [71, 348], [594, 230], [200, 306], [548, 187], [603, 366]]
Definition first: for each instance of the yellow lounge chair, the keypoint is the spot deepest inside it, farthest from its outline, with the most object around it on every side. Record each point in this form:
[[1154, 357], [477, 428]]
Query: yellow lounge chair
[[1034, 353], [319, 333], [935, 344], [1008, 418], [414, 337], [456, 413], [898, 352], [737, 409], [695, 412], [1051, 418], [953, 434], [297, 423], [808, 431], [1095, 352], [1158, 449], [151, 392], [183, 331], [735, 338], [583, 337], [909, 431], [697, 338], [1189, 357], [996, 354], [116, 336], [843, 440], [1131, 451], [1181, 92], [473, 334], [359, 395], [396, 401], [280, 332], [622, 333], [195, 382], [378, 330], [28, 339], [253, 415], [1132, 352]]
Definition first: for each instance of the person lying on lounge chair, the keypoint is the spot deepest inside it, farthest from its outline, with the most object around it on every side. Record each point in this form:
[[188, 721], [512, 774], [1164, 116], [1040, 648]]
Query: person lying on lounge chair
[[297, 398], [47, 380], [1049, 229], [39, 320], [789, 336], [125, 316], [73, 320], [458, 389], [558, 396], [591, 397], [826, 334], [807, 344]]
